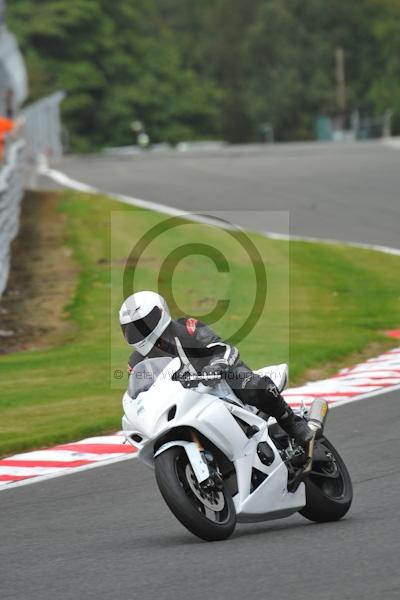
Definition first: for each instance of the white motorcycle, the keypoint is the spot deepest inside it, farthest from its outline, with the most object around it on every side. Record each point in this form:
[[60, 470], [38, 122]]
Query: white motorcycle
[[218, 462]]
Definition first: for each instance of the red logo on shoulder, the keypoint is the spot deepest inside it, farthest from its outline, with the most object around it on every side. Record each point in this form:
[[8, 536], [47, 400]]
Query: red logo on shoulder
[[191, 325]]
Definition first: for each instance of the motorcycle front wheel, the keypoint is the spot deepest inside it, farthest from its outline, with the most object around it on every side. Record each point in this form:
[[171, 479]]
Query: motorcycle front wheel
[[329, 491], [209, 514]]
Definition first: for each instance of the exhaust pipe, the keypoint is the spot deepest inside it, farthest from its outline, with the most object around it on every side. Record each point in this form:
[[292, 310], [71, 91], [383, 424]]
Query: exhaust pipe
[[316, 422], [317, 415]]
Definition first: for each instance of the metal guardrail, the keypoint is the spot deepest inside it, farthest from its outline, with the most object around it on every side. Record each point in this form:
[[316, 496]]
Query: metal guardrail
[[43, 127], [11, 192], [42, 133]]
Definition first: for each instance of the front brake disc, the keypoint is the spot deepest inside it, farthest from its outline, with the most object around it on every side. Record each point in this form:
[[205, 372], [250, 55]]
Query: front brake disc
[[212, 499]]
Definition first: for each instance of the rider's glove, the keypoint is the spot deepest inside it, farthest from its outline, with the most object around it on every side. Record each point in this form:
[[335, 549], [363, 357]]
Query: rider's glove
[[216, 370]]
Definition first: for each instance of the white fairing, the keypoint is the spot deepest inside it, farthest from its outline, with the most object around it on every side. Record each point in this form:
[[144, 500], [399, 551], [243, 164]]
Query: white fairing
[[166, 405]]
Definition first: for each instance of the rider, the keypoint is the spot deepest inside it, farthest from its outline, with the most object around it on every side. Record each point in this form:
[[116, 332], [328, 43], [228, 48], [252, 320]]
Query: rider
[[147, 326]]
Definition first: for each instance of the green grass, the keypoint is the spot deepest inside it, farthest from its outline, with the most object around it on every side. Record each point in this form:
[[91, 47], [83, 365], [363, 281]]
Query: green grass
[[325, 302]]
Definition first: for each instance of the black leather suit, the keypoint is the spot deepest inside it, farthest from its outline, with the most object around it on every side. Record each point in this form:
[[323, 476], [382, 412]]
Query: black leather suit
[[202, 346]]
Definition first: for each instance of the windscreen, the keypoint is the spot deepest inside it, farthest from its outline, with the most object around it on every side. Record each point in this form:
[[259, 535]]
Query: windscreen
[[144, 375]]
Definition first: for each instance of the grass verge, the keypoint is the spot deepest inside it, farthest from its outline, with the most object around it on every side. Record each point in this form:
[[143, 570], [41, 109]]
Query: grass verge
[[325, 303]]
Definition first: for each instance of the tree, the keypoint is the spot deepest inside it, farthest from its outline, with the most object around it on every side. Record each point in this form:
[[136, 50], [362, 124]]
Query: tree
[[385, 90], [206, 68], [116, 64], [290, 48]]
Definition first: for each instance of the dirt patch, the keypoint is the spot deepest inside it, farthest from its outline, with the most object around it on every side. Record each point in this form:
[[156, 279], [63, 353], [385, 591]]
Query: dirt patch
[[42, 278]]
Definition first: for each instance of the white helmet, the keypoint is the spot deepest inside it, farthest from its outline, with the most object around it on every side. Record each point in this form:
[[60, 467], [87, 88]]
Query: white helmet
[[144, 316]]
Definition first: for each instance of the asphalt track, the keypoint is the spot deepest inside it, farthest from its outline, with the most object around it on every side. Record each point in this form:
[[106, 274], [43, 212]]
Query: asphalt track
[[349, 192], [107, 533]]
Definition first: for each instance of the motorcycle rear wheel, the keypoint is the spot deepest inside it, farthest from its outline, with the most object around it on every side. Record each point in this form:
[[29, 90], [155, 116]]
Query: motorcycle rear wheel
[[329, 491], [211, 516]]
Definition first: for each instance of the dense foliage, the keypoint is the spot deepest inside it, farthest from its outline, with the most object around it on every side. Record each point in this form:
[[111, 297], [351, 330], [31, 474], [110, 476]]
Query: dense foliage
[[207, 68]]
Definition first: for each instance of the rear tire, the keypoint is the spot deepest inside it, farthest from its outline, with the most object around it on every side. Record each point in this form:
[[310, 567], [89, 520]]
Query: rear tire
[[328, 497], [177, 484]]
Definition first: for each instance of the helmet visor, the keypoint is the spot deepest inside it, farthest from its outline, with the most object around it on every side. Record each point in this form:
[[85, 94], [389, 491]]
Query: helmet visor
[[136, 331]]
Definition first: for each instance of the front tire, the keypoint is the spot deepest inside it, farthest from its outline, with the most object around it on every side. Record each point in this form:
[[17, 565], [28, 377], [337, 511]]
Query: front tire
[[329, 491], [211, 516]]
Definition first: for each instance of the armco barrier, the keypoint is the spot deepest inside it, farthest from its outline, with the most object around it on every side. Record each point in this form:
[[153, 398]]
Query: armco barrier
[[11, 192], [43, 130]]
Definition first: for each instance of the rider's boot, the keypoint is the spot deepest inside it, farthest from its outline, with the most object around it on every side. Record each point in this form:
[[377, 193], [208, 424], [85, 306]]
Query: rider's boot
[[270, 401], [295, 427]]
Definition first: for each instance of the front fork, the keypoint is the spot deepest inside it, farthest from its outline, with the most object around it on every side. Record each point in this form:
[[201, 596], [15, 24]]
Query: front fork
[[214, 481]]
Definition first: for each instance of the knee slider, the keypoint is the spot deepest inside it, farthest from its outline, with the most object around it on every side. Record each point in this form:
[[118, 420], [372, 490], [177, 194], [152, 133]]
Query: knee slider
[[254, 388]]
